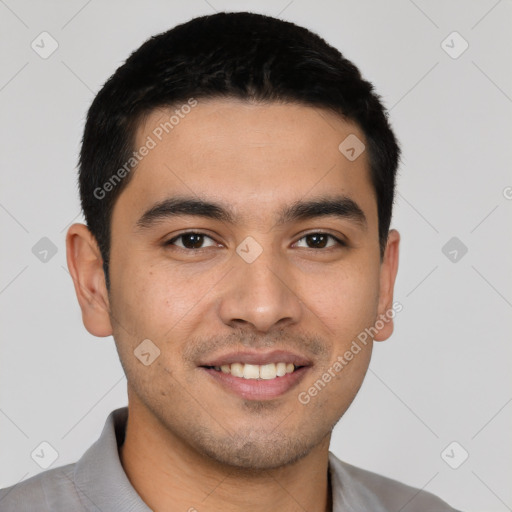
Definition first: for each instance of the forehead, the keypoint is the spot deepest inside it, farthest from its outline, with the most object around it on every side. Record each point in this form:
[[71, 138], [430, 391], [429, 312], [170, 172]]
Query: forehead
[[255, 157]]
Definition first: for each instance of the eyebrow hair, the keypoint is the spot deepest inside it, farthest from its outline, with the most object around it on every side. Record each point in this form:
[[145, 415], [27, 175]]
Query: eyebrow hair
[[175, 206], [338, 206]]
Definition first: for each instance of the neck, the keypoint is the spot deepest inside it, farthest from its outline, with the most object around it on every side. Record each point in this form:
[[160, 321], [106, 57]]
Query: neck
[[171, 476]]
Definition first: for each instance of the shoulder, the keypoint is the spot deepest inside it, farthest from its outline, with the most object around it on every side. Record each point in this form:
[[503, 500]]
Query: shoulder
[[52, 490], [355, 488]]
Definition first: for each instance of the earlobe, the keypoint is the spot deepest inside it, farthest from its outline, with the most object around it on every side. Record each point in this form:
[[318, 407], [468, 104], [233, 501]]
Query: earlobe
[[388, 272], [85, 265]]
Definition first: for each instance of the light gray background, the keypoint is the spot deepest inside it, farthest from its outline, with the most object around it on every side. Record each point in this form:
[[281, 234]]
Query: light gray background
[[443, 376]]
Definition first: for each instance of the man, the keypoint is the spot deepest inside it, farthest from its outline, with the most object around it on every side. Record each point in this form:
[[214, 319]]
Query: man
[[237, 177]]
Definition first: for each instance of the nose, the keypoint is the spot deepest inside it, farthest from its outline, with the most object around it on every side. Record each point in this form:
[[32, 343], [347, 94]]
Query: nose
[[260, 294]]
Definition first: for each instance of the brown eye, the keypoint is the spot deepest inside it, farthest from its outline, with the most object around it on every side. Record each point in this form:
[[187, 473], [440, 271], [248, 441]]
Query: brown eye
[[319, 241], [316, 241], [191, 241]]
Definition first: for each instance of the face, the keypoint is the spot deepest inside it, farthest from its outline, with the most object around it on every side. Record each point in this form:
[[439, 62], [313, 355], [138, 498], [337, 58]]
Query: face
[[245, 248]]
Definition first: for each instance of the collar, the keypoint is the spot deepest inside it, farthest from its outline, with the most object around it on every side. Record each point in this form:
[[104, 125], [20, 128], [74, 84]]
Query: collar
[[102, 483], [99, 477]]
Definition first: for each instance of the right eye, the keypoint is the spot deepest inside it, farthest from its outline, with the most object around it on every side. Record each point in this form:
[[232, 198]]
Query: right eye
[[191, 240]]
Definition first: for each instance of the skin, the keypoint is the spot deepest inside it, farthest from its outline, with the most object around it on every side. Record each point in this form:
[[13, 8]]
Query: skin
[[189, 442]]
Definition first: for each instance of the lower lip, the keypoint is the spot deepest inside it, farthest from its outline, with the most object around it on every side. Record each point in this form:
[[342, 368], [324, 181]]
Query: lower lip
[[258, 389]]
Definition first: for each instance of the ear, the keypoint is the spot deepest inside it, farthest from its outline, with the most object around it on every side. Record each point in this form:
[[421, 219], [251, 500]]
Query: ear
[[388, 271], [86, 268]]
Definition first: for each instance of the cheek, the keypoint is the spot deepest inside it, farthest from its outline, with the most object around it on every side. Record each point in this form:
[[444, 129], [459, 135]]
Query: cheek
[[159, 300], [345, 300]]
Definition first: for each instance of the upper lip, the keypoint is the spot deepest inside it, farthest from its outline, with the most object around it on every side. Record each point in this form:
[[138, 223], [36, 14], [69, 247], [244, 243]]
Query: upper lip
[[259, 358]]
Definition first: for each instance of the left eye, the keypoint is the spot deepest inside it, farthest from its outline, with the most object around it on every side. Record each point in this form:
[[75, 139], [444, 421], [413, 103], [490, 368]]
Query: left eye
[[191, 241], [319, 241]]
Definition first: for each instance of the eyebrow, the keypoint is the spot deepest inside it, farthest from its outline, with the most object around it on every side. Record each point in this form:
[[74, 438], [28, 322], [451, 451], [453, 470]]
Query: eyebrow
[[342, 207]]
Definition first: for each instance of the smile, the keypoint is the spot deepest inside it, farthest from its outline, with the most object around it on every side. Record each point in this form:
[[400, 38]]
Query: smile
[[254, 375], [256, 371]]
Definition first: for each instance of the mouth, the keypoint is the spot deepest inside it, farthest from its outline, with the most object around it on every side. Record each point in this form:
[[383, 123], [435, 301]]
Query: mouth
[[255, 371], [256, 376]]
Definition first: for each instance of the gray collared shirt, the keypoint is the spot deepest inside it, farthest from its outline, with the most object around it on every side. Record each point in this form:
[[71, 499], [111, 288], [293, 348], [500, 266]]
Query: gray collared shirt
[[98, 483]]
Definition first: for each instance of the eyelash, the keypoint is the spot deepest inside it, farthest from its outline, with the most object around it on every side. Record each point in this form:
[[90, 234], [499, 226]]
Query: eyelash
[[170, 242]]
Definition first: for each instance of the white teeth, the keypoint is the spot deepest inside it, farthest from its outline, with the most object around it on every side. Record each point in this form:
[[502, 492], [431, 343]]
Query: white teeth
[[280, 369], [255, 371], [268, 371], [237, 370], [251, 371]]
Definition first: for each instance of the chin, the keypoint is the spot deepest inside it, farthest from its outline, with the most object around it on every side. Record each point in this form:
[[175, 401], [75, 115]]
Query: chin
[[253, 453]]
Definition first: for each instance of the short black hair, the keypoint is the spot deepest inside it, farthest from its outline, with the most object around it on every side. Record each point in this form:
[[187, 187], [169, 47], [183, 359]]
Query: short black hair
[[226, 55]]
